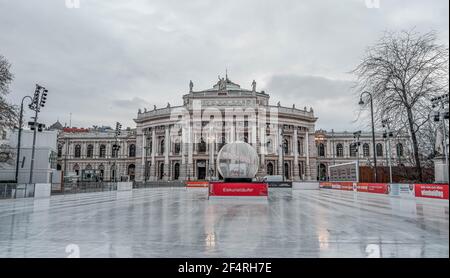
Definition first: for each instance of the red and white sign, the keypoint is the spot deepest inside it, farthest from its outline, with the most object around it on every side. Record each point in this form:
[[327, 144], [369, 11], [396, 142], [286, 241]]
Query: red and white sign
[[238, 189], [380, 188], [341, 185], [435, 191]]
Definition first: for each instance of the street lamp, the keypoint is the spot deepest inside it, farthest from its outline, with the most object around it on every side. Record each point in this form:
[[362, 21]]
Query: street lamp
[[361, 102], [38, 102], [19, 137], [387, 134], [116, 149]]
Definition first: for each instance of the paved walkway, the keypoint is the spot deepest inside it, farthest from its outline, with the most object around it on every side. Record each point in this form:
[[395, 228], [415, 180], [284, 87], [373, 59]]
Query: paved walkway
[[178, 222]]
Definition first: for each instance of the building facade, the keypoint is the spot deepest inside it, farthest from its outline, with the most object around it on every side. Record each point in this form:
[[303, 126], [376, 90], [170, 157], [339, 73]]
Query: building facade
[[92, 154], [182, 142], [342, 147]]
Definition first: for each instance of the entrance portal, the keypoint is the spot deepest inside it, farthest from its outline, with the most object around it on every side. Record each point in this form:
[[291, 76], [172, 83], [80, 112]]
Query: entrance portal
[[201, 169]]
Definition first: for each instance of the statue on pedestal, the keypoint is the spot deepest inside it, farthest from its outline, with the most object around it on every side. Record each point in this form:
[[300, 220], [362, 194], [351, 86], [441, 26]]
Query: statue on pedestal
[[191, 86]]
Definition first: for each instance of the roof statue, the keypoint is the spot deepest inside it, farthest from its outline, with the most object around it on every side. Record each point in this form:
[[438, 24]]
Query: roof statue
[[278, 104], [168, 105], [154, 107], [191, 86], [254, 86], [139, 111]]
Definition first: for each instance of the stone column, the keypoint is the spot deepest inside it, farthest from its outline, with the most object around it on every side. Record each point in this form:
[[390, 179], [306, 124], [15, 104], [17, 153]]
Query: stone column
[[280, 151], [307, 166], [141, 176], [296, 170], [190, 150], [152, 175], [183, 156], [166, 152]]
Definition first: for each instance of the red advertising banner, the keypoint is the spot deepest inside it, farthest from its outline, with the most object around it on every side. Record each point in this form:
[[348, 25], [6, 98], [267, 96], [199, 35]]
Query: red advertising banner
[[191, 184], [380, 188], [435, 191], [238, 189], [341, 185], [326, 185]]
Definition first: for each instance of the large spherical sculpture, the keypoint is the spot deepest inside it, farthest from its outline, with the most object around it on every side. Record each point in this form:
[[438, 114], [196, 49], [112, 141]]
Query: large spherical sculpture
[[238, 160]]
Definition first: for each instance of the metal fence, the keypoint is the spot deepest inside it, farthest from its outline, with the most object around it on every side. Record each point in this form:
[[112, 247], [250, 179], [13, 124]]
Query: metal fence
[[16, 191], [82, 187]]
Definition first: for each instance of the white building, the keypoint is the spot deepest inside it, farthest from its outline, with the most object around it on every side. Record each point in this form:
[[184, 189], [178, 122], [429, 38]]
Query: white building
[[44, 169]]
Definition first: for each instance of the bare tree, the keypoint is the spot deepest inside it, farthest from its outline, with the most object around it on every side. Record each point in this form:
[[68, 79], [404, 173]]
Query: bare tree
[[403, 71], [8, 112]]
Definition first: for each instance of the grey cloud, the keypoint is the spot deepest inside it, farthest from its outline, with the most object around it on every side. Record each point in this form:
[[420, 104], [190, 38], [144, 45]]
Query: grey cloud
[[333, 101], [112, 50]]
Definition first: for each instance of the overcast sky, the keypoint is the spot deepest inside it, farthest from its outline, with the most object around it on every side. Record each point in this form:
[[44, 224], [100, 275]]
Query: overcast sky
[[107, 58]]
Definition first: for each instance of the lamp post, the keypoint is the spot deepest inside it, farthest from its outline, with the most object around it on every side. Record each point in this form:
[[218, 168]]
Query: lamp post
[[387, 134], [356, 136], [361, 102], [19, 137], [39, 99], [116, 149]]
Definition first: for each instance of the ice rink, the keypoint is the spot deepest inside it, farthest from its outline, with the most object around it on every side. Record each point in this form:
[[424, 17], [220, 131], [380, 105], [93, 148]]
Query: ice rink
[[179, 222]]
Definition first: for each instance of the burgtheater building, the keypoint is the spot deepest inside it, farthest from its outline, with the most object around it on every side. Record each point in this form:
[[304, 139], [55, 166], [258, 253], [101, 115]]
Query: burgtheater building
[[182, 142]]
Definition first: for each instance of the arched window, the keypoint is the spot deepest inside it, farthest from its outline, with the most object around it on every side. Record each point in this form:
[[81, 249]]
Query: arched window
[[269, 146], [161, 171], [177, 147], [366, 150], [77, 150], [379, 149], [102, 151], [285, 146], [339, 150], [89, 150], [176, 171], [399, 149], [149, 146], [60, 150], [115, 150], [286, 170], [353, 150], [131, 171], [321, 150], [113, 173], [270, 169], [101, 170], [76, 169], [132, 150], [202, 146], [162, 145]]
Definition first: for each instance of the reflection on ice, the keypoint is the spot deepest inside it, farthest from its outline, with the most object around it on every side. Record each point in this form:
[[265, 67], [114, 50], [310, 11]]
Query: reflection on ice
[[176, 222]]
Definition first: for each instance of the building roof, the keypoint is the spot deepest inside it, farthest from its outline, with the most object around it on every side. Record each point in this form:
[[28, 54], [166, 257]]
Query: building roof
[[56, 126]]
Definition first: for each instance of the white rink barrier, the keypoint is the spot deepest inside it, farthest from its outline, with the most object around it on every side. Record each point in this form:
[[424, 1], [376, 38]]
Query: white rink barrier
[[42, 190], [306, 185], [124, 186]]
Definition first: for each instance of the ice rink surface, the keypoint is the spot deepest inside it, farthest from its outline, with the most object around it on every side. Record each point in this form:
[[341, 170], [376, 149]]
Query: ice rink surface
[[178, 222]]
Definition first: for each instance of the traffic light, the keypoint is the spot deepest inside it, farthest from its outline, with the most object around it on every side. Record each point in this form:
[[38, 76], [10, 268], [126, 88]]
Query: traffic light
[[43, 98], [31, 125], [41, 127], [118, 128]]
